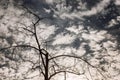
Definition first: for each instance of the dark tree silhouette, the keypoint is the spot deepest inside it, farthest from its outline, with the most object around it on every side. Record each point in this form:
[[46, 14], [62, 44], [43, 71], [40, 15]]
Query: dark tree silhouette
[[46, 61]]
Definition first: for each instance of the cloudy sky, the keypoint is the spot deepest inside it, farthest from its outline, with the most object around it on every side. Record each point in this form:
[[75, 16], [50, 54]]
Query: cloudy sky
[[80, 31]]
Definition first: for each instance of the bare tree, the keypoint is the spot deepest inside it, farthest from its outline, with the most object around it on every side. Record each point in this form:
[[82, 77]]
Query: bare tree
[[46, 63]]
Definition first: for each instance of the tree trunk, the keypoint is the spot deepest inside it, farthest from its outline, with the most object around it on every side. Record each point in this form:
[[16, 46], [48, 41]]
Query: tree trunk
[[46, 67]]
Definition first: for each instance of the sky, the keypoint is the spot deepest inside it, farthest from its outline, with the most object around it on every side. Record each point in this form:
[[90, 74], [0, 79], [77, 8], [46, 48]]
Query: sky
[[66, 34]]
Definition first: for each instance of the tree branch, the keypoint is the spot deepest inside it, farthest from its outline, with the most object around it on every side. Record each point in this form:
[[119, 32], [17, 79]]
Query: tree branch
[[28, 30], [62, 71], [73, 57], [19, 46], [37, 41]]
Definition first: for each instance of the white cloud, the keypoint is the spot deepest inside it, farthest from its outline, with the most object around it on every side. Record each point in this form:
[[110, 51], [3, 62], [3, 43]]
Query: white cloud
[[75, 29], [63, 39], [117, 2], [94, 36], [96, 9], [99, 7], [45, 31], [49, 1]]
